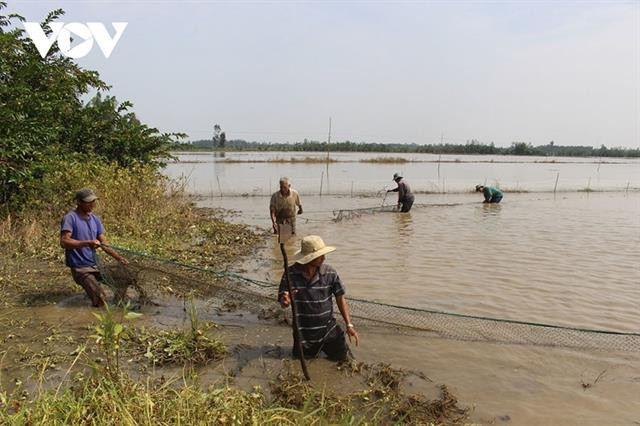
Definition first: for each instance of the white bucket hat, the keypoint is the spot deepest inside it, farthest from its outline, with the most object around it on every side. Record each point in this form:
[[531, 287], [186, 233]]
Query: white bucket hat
[[311, 247]]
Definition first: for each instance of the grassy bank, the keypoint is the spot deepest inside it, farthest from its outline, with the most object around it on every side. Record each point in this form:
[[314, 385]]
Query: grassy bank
[[140, 208]]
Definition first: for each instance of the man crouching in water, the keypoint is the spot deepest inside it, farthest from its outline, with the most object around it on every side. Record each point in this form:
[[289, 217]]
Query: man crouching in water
[[314, 283]]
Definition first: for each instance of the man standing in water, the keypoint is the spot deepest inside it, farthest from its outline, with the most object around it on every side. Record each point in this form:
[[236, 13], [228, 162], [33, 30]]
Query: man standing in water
[[405, 196], [81, 234], [314, 283], [283, 206], [491, 194]]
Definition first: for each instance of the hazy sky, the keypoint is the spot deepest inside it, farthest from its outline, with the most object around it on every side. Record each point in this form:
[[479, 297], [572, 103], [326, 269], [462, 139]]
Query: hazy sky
[[384, 71]]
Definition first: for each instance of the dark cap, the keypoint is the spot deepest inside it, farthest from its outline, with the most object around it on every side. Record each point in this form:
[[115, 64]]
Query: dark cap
[[396, 176], [86, 195], [478, 187]]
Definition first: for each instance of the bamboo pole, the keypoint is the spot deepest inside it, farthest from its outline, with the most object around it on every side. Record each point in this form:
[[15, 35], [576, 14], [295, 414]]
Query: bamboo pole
[[296, 329], [321, 180], [556, 185]]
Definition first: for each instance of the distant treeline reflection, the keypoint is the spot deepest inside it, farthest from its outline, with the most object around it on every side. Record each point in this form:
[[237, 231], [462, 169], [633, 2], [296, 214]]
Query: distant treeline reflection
[[472, 147]]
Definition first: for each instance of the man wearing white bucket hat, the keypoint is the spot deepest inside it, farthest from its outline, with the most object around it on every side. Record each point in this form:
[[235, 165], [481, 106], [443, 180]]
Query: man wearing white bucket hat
[[314, 284]]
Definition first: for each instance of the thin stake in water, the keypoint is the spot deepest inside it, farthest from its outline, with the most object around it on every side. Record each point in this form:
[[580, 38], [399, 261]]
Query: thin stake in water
[[219, 187]]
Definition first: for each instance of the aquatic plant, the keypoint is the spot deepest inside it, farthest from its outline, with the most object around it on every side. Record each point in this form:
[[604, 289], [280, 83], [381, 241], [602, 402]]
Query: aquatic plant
[[176, 345]]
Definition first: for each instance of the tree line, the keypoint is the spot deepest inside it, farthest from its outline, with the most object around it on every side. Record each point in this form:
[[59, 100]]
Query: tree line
[[471, 147]]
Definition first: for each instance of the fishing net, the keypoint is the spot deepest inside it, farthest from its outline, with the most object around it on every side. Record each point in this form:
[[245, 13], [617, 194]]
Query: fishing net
[[227, 292], [348, 214]]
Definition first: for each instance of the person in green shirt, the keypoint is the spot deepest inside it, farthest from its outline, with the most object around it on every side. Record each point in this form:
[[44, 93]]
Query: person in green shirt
[[491, 194]]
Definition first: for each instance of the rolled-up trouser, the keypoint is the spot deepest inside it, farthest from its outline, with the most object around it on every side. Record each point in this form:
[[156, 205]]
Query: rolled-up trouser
[[87, 278], [289, 221], [407, 202], [334, 346]]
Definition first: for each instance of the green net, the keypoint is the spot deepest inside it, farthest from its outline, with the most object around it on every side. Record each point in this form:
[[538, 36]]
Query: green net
[[225, 291]]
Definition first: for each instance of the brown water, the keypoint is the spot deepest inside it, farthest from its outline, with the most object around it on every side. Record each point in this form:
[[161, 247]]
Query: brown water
[[570, 259], [567, 260]]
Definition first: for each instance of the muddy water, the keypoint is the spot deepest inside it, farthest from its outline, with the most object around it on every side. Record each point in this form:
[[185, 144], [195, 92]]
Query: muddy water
[[567, 260]]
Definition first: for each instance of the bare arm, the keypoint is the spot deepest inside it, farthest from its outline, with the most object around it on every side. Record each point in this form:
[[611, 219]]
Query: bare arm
[[111, 252], [344, 311], [299, 203], [272, 212], [68, 243]]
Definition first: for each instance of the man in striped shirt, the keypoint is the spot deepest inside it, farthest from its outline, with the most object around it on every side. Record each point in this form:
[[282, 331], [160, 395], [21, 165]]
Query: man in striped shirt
[[314, 284]]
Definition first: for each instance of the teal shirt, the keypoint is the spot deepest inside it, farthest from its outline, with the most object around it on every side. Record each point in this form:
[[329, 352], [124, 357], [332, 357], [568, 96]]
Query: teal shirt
[[490, 192]]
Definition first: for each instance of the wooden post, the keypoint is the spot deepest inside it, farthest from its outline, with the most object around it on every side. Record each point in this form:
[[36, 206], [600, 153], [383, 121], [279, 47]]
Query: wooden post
[[321, 179], [219, 187], [296, 329], [328, 140], [556, 185]]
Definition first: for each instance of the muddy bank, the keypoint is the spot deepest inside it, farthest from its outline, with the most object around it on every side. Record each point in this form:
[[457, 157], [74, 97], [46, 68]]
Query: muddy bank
[[48, 341]]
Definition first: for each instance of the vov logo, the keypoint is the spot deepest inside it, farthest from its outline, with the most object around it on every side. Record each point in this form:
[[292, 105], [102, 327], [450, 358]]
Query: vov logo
[[62, 33]]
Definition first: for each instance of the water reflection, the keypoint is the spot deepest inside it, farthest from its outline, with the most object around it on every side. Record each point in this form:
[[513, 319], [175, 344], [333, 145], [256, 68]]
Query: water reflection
[[403, 248], [404, 225], [491, 209]]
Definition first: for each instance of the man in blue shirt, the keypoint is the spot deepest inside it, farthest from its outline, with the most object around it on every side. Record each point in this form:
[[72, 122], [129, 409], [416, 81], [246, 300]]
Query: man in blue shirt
[[81, 233]]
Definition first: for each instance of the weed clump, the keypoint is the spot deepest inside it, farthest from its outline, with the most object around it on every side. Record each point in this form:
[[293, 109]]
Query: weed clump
[[177, 346], [382, 400]]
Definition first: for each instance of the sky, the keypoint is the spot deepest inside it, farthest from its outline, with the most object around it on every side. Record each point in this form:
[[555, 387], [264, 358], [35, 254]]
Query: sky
[[388, 72]]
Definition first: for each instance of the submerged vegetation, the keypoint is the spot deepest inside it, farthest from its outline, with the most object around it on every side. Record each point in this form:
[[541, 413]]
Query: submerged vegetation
[[474, 147], [286, 160], [385, 160]]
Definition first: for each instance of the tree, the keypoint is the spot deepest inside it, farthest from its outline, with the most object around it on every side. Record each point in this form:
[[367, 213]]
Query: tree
[[42, 115], [219, 138]]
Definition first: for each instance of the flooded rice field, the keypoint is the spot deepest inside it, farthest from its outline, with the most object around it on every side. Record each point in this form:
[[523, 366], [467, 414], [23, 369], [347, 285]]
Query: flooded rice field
[[569, 258], [251, 173]]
